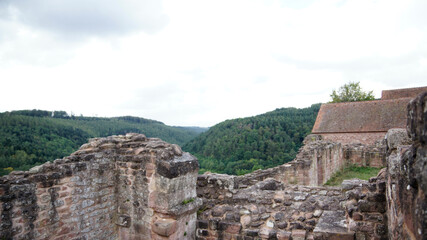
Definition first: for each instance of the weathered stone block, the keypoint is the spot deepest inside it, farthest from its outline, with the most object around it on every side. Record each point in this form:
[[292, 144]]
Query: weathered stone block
[[284, 235], [178, 166], [165, 227], [396, 137], [267, 233], [298, 234]]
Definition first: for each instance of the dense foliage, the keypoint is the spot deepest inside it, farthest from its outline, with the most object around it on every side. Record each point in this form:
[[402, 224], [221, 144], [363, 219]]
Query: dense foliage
[[32, 137], [243, 145], [351, 92]]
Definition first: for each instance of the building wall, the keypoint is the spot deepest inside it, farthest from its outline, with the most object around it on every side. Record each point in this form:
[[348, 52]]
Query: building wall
[[367, 138], [364, 122], [361, 117]]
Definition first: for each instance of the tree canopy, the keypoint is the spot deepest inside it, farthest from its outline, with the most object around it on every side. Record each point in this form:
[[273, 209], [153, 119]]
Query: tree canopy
[[351, 92], [244, 145], [32, 137]]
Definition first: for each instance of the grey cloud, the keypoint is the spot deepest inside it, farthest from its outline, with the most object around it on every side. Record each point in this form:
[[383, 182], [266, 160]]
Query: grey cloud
[[366, 64], [356, 65], [394, 71], [86, 17]]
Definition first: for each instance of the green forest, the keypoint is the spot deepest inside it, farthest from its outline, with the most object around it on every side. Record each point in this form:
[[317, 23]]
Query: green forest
[[238, 146], [32, 137], [244, 145]]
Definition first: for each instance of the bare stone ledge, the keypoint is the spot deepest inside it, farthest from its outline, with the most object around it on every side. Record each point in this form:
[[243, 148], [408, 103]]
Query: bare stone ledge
[[332, 225]]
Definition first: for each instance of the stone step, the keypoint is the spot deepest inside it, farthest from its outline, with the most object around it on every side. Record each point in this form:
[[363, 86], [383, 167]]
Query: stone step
[[332, 226]]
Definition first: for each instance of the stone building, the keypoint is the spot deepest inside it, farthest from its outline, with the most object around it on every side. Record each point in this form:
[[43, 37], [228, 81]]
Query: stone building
[[365, 122]]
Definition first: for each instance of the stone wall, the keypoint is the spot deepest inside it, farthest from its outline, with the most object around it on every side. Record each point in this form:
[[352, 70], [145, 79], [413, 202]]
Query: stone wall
[[120, 187], [366, 207], [268, 209], [407, 175], [367, 138], [361, 155]]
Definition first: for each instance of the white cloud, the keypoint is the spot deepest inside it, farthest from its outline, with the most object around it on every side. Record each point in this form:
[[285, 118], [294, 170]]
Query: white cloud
[[195, 62]]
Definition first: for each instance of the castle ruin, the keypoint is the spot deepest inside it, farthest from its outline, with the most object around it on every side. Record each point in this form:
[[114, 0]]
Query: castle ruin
[[133, 187]]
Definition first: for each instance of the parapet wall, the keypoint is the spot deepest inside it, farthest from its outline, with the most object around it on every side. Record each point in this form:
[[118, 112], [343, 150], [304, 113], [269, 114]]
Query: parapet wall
[[120, 187]]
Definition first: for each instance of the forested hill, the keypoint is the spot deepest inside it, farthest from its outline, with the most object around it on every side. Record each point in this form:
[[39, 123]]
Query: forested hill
[[32, 137], [243, 145]]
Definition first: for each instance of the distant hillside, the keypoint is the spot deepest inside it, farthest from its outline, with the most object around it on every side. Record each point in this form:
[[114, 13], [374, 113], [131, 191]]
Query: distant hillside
[[32, 137], [243, 145]]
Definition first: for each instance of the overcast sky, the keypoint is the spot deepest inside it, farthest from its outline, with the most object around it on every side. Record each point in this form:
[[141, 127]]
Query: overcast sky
[[196, 62]]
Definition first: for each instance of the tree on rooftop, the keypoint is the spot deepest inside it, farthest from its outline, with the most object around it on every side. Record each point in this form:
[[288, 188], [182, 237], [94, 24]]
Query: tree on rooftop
[[351, 92]]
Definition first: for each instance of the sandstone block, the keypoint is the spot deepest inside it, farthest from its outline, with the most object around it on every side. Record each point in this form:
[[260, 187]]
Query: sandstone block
[[318, 213], [298, 234], [164, 227], [178, 166], [284, 235], [245, 220], [267, 233], [396, 137]]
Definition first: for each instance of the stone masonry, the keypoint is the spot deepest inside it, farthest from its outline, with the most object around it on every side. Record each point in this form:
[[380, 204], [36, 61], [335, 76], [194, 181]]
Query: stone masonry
[[133, 187], [267, 204], [407, 175], [120, 187], [266, 210]]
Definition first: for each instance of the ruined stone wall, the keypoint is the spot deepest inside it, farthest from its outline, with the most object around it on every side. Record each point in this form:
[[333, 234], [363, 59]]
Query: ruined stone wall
[[71, 198], [315, 163], [366, 207], [268, 209], [407, 175], [365, 155], [120, 187]]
